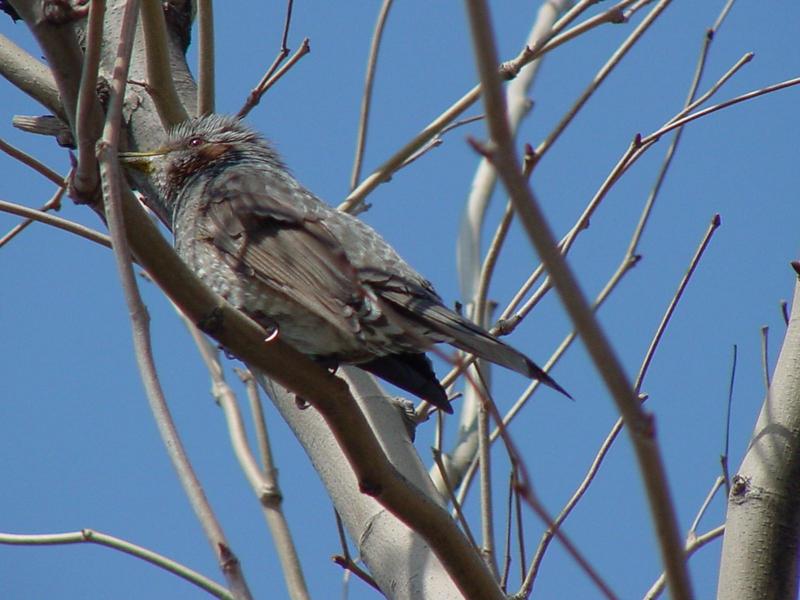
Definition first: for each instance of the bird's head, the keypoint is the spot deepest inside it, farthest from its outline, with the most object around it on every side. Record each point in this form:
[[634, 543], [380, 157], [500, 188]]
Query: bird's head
[[202, 145]]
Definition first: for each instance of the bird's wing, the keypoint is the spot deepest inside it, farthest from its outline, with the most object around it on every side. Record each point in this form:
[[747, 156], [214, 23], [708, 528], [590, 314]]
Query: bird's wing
[[412, 304], [282, 244]]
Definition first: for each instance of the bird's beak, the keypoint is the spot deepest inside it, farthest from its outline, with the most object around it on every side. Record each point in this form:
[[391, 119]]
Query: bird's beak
[[141, 161]]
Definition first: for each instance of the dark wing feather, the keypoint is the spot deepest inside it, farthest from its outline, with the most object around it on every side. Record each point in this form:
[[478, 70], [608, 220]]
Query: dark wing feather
[[282, 245]]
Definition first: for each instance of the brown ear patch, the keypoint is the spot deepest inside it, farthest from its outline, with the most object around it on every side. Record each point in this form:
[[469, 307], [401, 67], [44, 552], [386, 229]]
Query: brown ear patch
[[210, 152]]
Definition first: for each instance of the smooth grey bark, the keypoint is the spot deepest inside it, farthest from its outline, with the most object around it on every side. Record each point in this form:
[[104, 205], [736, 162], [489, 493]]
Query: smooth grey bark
[[401, 562], [759, 552]]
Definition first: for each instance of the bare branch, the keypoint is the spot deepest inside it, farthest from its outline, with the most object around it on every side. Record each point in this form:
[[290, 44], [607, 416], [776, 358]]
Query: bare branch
[[206, 85], [648, 357], [715, 487], [30, 76], [692, 546], [86, 129], [93, 536], [437, 457], [349, 565], [54, 203], [64, 57], [366, 99], [262, 481], [640, 424], [384, 172], [601, 76], [723, 459], [159, 73], [711, 109], [48, 219], [271, 77], [765, 356], [31, 162]]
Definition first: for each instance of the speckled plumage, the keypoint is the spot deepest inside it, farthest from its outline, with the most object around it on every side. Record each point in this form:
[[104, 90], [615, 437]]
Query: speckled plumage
[[332, 286]]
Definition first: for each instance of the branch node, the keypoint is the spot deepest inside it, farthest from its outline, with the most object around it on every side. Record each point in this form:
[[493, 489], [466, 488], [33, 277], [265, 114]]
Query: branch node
[[370, 488], [227, 559], [617, 16], [739, 486]]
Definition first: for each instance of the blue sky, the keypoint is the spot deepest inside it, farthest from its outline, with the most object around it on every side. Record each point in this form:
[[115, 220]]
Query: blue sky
[[79, 449]]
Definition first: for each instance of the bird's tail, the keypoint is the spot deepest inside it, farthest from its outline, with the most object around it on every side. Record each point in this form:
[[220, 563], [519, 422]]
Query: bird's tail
[[469, 337]]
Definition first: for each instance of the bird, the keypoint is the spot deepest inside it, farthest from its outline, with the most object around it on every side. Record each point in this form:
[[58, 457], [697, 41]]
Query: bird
[[323, 280]]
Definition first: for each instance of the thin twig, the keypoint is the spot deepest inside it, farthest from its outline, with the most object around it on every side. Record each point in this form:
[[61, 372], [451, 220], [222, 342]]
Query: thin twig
[[290, 562], [305, 48], [784, 305], [54, 221], [507, 545], [722, 15], [601, 76], [263, 481], [286, 24], [520, 531], [344, 560], [765, 356], [259, 424], [28, 160], [711, 109], [635, 150], [718, 483], [493, 253], [93, 536], [746, 58], [437, 457], [86, 180], [438, 140], [485, 465], [366, 98], [525, 488], [268, 82], [484, 181], [54, 203], [349, 565], [614, 15], [648, 357], [723, 458], [385, 171], [254, 97], [691, 547], [526, 491], [651, 466], [205, 58], [666, 162], [617, 428]]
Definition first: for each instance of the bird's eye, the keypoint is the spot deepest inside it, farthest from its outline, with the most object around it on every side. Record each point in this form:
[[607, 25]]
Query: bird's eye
[[196, 141]]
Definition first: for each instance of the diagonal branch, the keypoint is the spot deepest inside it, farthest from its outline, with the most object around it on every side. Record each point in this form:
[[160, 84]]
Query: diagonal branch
[[605, 359]]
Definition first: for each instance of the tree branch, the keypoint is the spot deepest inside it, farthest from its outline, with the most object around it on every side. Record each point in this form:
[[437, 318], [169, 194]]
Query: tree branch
[[760, 549], [640, 425]]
